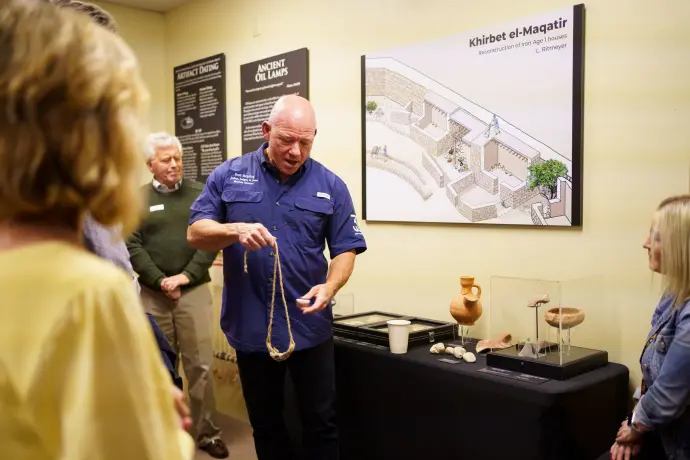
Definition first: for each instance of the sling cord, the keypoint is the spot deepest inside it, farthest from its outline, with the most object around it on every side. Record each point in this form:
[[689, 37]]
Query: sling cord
[[273, 351]]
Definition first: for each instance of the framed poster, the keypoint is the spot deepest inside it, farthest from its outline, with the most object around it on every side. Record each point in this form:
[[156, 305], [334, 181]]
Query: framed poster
[[262, 83], [482, 127], [200, 115]]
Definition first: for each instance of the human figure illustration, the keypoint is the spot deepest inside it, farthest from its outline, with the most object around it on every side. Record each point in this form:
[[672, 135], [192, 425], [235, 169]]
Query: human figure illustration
[[493, 124]]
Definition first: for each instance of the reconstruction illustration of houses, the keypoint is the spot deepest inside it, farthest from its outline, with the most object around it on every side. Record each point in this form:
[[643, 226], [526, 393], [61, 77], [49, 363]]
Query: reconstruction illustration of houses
[[465, 163]]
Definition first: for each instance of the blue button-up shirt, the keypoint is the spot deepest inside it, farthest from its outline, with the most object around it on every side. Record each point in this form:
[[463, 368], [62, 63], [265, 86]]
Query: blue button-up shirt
[[311, 209]]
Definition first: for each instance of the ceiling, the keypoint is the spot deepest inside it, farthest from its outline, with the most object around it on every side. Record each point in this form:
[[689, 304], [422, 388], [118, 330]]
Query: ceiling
[[153, 5]]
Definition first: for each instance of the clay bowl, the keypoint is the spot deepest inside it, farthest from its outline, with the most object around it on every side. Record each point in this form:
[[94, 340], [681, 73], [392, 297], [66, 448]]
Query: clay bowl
[[571, 317]]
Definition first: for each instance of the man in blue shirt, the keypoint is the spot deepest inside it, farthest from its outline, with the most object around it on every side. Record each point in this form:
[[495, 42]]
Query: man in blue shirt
[[277, 200]]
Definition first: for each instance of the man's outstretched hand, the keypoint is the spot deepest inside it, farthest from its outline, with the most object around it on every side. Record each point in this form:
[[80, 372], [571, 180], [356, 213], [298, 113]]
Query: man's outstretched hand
[[322, 295]]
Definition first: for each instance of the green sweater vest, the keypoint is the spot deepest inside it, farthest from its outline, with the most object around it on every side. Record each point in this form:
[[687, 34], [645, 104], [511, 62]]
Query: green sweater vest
[[159, 248]]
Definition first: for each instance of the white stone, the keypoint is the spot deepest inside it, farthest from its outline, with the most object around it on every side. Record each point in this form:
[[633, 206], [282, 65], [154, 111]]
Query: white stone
[[437, 348], [469, 357], [458, 352]]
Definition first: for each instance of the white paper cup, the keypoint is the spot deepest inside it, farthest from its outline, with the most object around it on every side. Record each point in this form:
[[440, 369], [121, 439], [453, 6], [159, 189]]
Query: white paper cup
[[398, 333]]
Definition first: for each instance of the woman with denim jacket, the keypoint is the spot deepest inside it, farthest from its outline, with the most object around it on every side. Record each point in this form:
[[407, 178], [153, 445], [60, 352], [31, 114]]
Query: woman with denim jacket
[[663, 409]]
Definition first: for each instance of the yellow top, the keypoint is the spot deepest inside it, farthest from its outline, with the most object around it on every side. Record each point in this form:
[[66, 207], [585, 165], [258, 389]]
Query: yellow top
[[81, 377]]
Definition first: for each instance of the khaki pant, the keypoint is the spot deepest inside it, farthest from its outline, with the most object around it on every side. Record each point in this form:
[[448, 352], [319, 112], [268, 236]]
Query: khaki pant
[[187, 324]]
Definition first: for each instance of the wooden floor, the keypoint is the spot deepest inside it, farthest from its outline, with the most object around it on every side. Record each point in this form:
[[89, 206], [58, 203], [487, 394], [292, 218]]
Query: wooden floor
[[238, 437]]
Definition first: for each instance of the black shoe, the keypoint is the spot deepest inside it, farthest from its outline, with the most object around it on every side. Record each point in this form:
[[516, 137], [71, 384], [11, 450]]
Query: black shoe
[[216, 449]]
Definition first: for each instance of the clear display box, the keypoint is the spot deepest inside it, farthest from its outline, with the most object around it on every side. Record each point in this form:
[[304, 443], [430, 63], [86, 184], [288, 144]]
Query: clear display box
[[343, 304], [551, 329]]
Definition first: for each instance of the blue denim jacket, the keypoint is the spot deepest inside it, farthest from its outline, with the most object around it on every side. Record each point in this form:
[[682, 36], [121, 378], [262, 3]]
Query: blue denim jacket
[[665, 406]]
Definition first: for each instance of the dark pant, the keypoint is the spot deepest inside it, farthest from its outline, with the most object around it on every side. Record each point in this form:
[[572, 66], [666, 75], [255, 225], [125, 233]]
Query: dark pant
[[263, 383], [167, 353]]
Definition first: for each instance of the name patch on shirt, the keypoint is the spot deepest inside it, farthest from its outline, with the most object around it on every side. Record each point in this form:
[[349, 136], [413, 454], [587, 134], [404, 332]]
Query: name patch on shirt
[[246, 179], [158, 207], [323, 195]]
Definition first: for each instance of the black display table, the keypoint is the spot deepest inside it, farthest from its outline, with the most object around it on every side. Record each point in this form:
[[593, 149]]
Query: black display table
[[413, 406]]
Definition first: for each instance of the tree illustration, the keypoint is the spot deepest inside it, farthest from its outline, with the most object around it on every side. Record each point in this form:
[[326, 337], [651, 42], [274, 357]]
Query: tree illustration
[[545, 175], [371, 106]]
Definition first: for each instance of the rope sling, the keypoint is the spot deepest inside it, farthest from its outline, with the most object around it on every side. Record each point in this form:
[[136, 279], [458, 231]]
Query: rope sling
[[276, 354]]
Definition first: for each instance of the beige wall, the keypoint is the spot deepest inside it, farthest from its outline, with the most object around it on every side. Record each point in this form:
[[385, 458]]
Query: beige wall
[[636, 82], [144, 31]]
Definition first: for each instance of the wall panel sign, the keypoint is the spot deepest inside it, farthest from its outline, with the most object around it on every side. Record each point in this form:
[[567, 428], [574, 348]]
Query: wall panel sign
[[263, 82], [480, 127], [200, 115]]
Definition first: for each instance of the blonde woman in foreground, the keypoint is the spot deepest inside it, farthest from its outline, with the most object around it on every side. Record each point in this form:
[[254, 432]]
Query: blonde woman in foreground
[[663, 411], [80, 374]]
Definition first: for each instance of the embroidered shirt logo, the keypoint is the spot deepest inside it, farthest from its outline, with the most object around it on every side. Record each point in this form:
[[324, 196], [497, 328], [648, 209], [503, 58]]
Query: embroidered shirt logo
[[355, 227], [323, 195]]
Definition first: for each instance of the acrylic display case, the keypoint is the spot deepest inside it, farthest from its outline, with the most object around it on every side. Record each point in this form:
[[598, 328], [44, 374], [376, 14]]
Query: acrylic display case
[[556, 328], [372, 328], [343, 304]]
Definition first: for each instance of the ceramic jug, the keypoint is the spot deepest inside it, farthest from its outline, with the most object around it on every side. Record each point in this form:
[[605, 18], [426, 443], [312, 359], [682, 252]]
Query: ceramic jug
[[466, 307]]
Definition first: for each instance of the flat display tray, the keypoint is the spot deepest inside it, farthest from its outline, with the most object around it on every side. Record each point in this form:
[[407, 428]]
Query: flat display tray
[[576, 361], [365, 319], [371, 327]]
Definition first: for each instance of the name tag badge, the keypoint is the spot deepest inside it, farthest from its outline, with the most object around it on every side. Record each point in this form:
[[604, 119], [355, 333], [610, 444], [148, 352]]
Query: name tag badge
[[158, 207], [323, 195]]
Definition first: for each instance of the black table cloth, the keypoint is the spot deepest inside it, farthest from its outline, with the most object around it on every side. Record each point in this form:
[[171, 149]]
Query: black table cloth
[[413, 406]]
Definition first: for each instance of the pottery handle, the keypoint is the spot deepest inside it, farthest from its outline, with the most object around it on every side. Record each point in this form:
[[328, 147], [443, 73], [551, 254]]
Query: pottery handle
[[479, 290]]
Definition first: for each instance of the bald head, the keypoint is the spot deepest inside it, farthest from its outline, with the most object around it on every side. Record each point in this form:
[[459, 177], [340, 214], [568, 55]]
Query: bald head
[[292, 109], [290, 131]]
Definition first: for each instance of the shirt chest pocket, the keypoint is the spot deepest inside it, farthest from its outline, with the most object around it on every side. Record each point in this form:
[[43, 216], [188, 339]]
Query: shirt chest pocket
[[661, 346], [662, 343], [242, 205], [311, 216]]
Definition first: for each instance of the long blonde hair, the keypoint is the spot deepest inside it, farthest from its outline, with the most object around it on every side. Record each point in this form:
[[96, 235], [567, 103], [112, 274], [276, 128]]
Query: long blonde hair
[[72, 106], [673, 226]]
